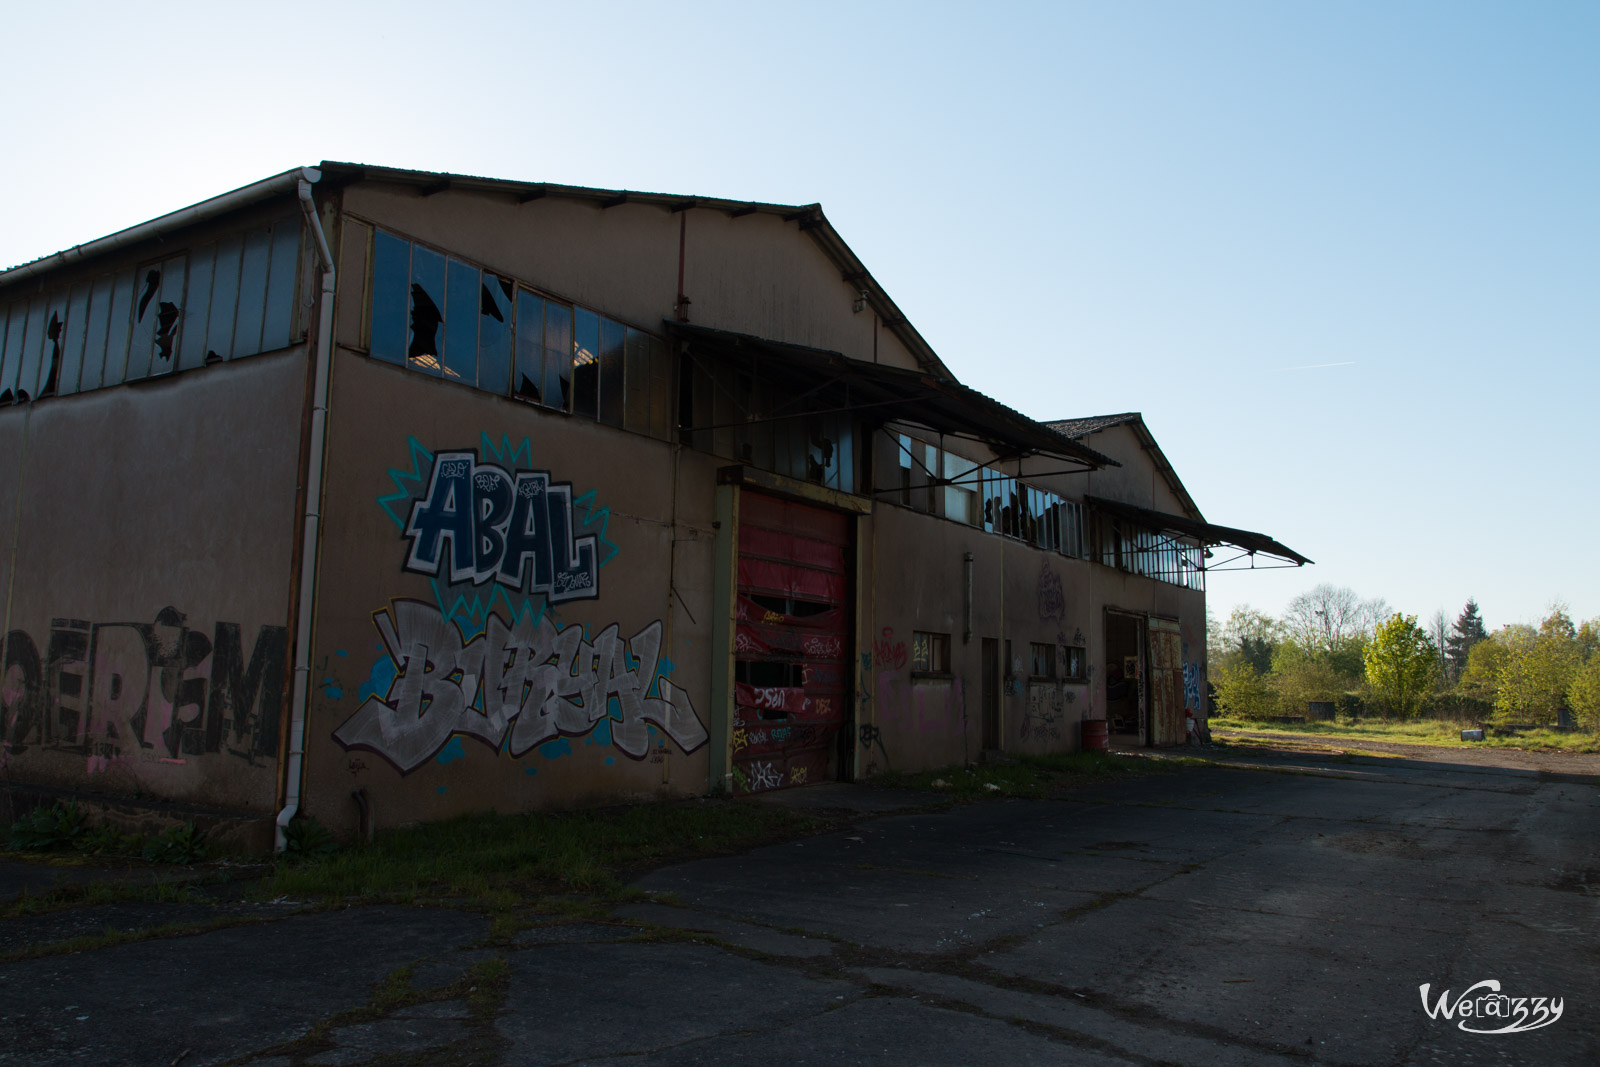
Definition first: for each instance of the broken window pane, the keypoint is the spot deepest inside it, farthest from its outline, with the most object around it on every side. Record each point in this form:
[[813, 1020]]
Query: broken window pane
[[557, 355], [55, 344], [585, 363], [72, 347], [530, 346], [283, 266], [427, 310], [494, 333], [391, 285], [462, 304], [94, 342], [611, 345], [224, 299], [252, 294], [27, 386], [124, 294], [192, 344], [168, 314], [15, 326]]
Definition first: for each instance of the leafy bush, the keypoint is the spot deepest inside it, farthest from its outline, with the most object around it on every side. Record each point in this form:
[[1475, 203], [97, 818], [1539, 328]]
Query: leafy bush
[[105, 840], [305, 838], [177, 844], [1243, 693], [1456, 707], [46, 829]]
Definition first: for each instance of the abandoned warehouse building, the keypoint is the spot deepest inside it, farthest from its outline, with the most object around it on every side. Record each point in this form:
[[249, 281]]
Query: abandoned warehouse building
[[382, 496]]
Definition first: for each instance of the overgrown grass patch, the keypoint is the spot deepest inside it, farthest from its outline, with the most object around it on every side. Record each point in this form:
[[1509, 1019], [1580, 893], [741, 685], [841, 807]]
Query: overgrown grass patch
[[499, 861], [1027, 776], [1422, 732]]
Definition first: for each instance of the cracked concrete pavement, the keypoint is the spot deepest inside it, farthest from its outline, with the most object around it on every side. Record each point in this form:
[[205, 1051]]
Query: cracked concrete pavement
[[1216, 916]]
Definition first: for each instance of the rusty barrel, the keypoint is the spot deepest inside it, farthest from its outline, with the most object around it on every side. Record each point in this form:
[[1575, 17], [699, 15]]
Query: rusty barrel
[[1096, 738]]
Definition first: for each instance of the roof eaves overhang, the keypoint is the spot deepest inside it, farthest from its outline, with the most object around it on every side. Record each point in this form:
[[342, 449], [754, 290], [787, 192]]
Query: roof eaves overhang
[[283, 184], [893, 394], [1206, 533]]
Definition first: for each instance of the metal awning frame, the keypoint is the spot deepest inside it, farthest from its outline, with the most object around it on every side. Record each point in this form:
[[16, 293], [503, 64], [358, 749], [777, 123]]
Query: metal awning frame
[[1249, 542], [910, 397]]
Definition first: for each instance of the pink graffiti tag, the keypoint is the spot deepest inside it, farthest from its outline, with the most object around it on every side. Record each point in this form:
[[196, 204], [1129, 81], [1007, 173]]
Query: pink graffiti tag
[[890, 653]]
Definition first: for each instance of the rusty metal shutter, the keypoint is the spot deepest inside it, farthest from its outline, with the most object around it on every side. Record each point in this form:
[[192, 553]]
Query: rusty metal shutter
[[792, 646]]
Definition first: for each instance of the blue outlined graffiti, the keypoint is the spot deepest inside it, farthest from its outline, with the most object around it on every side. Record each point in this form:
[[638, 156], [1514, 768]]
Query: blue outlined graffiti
[[489, 529], [513, 687]]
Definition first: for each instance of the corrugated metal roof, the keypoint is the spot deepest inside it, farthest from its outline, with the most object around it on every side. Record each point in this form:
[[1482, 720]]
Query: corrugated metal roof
[[1076, 428]]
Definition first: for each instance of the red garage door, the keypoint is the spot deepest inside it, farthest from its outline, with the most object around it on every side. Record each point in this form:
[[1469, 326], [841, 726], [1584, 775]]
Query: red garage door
[[792, 649]]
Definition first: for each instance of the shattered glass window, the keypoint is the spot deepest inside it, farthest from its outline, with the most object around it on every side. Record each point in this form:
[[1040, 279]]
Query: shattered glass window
[[530, 346], [95, 334], [585, 363], [427, 311], [557, 355], [192, 345], [72, 341], [27, 382], [611, 345], [224, 301], [463, 305], [16, 320], [495, 301], [120, 328]]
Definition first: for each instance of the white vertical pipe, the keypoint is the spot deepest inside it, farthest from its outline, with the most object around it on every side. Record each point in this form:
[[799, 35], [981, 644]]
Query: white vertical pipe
[[313, 516]]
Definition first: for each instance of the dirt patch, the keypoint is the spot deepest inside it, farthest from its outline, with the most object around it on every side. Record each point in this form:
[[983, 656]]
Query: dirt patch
[[1576, 765]]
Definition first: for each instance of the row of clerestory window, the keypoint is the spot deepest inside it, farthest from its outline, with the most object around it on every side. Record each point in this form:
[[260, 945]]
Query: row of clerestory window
[[945, 483], [231, 298], [442, 316]]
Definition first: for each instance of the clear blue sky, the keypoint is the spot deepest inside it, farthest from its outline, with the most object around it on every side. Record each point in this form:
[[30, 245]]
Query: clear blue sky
[[1344, 257]]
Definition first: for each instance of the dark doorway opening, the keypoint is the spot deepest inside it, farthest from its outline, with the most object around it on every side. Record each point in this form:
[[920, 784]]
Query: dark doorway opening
[[1126, 703]]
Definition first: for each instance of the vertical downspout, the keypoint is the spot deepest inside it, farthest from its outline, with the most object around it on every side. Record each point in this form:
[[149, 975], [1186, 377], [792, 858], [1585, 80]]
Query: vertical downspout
[[316, 454], [681, 309]]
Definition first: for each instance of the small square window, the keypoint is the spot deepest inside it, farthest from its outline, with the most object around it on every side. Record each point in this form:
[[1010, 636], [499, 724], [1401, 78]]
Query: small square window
[[930, 652], [1073, 668], [1042, 661]]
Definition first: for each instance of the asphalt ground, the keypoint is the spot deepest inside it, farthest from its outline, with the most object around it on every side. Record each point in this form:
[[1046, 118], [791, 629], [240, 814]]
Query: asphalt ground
[[1282, 911]]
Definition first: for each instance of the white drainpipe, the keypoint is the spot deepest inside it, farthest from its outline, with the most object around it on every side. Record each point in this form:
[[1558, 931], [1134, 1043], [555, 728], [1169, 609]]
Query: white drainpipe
[[313, 516]]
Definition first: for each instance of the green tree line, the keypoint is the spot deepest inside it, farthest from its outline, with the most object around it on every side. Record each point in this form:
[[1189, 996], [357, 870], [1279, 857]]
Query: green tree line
[[1331, 647]]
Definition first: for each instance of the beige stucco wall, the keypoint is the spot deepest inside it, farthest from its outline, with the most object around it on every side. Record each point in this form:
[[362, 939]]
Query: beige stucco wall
[[1137, 481], [756, 274], [652, 501], [154, 532]]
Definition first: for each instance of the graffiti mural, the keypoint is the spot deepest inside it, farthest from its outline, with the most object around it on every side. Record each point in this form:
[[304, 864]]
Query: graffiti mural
[[891, 653], [478, 522], [1043, 719], [1052, 601], [160, 690], [490, 526], [514, 687]]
